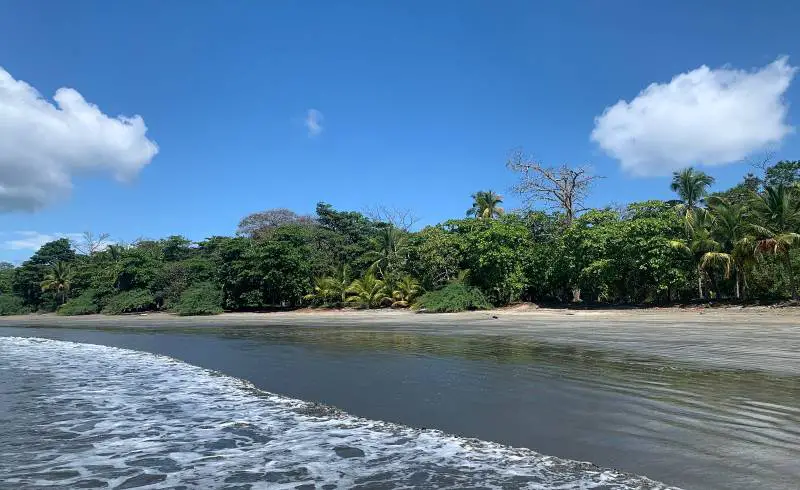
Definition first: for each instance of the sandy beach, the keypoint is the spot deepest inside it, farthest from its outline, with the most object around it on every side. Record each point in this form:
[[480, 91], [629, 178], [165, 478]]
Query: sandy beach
[[753, 338]]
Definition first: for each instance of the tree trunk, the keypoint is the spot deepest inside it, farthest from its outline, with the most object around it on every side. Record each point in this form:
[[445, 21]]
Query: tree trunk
[[700, 282], [789, 271], [744, 286], [738, 292]]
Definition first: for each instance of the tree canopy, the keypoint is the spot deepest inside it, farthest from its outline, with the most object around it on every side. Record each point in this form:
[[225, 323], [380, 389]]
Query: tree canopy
[[737, 243]]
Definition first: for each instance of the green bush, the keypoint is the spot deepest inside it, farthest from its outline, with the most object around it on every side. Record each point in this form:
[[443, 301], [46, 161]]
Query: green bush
[[82, 305], [130, 302], [12, 305], [453, 297], [201, 299]]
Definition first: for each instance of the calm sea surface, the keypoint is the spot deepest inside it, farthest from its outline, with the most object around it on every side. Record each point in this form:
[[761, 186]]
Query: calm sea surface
[[246, 407]]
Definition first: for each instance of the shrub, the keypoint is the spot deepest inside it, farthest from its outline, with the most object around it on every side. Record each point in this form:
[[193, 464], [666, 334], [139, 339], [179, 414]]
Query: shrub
[[129, 302], [453, 297], [201, 299], [82, 305], [12, 305]]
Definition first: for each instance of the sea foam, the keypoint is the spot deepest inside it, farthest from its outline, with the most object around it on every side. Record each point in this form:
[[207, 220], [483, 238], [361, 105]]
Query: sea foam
[[81, 415]]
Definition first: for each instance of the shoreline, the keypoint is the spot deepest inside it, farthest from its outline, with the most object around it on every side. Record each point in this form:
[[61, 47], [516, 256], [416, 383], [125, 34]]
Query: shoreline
[[752, 339], [514, 314]]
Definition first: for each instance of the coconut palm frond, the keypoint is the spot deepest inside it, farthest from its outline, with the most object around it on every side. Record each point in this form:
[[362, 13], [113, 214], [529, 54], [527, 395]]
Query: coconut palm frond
[[718, 259], [486, 205], [680, 246], [691, 186], [368, 291], [58, 280], [405, 292]]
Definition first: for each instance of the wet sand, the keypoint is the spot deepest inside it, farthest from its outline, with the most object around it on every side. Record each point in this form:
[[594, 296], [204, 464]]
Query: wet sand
[[757, 338]]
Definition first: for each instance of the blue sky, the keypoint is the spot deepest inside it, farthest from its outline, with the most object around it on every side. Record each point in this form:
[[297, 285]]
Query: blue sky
[[418, 103]]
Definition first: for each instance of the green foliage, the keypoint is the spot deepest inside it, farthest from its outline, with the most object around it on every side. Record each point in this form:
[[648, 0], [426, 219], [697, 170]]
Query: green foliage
[[132, 301], [6, 277], [454, 297], [84, 304], [785, 173], [345, 236], [26, 282], [743, 192], [737, 243], [777, 226], [494, 254], [12, 305], [201, 299], [435, 256]]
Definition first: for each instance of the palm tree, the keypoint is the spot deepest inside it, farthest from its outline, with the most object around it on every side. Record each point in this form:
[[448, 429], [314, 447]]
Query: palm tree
[[390, 245], [730, 230], [776, 221], [331, 288], [699, 242], [58, 280], [405, 292], [367, 292], [115, 252], [486, 205], [691, 186]]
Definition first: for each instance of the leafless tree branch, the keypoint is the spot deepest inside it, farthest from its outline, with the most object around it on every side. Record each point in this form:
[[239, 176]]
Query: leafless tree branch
[[402, 218], [762, 161], [89, 243], [562, 187]]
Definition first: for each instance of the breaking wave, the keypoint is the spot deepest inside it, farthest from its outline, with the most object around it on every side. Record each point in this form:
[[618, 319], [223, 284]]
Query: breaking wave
[[88, 416]]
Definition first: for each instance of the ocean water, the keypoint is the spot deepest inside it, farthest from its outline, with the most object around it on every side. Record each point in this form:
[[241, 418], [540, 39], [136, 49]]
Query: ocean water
[[79, 415]]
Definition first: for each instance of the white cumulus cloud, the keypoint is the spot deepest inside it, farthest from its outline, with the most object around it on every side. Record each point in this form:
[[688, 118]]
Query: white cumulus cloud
[[43, 145], [313, 122], [702, 117]]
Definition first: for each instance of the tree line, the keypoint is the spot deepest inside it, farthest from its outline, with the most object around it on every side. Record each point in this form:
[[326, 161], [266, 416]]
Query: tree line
[[738, 244]]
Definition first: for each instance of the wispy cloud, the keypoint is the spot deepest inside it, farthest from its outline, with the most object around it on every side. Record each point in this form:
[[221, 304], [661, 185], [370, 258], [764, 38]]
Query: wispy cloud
[[313, 122], [705, 116], [32, 240]]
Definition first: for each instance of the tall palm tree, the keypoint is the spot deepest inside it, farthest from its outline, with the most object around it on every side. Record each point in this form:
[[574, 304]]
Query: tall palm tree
[[776, 221], [486, 205], [58, 280], [367, 292], [699, 242], [691, 186], [736, 246], [389, 248]]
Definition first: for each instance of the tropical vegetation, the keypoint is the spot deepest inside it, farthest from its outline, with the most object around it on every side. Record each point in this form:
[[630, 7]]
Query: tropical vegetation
[[739, 244]]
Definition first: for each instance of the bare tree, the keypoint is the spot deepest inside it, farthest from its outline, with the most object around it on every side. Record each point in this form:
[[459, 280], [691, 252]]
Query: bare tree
[[402, 218], [562, 187], [89, 243], [762, 161], [256, 225]]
